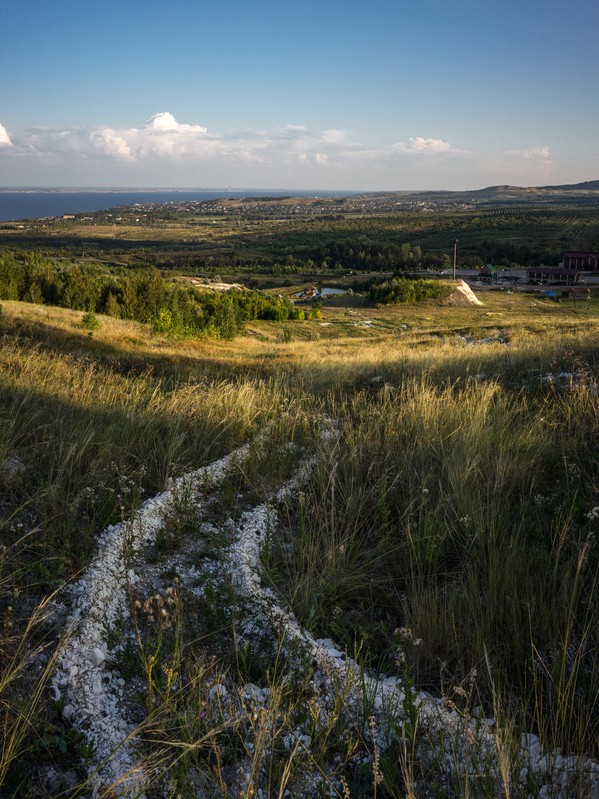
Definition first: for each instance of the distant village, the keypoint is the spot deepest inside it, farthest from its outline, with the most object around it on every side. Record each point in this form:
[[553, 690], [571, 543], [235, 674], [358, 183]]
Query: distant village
[[576, 265], [576, 273]]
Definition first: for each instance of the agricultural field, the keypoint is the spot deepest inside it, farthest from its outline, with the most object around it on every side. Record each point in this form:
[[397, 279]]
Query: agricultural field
[[316, 236], [352, 555]]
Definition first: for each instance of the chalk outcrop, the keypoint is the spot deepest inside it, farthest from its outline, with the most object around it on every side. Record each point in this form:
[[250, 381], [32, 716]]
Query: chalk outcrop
[[462, 296]]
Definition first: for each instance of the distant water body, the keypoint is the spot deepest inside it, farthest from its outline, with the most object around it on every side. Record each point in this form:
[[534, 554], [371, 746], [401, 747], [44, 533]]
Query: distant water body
[[33, 204]]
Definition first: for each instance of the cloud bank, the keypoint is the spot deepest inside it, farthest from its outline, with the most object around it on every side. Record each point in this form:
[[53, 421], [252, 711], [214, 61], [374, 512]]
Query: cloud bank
[[164, 151], [164, 137]]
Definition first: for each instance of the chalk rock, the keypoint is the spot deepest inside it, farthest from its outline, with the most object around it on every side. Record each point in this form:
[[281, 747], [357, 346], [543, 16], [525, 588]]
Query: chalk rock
[[253, 693], [217, 692], [96, 656]]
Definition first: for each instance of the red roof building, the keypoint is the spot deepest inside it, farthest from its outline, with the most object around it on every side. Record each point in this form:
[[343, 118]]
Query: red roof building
[[550, 274], [577, 259]]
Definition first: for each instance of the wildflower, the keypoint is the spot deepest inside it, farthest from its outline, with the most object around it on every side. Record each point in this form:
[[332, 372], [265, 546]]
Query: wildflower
[[344, 788], [593, 514], [399, 658]]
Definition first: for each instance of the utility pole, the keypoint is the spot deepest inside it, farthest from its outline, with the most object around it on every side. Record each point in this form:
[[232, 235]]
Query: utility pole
[[455, 255]]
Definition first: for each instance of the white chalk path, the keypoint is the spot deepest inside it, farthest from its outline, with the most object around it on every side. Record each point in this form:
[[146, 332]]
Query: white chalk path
[[448, 741], [94, 695], [92, 692]]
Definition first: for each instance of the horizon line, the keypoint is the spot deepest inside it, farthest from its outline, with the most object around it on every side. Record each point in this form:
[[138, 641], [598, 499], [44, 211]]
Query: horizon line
[[287, 190]]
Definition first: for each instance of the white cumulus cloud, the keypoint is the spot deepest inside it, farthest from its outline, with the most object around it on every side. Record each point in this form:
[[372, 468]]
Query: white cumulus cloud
[[421, 144], [537, 152], [162, 145], [112, 143], [4, 137], [163, 137]]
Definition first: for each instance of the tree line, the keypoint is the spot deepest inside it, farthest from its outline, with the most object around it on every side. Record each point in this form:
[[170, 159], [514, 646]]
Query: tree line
[[139, 294]]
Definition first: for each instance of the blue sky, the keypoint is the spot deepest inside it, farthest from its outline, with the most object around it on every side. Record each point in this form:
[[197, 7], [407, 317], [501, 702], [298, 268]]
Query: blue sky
[[329, 94]]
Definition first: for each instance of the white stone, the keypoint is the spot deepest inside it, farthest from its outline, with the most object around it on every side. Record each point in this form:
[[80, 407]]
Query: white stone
[[527, 739], [217, 692], [534, 751], [253, 693], [96, 656]]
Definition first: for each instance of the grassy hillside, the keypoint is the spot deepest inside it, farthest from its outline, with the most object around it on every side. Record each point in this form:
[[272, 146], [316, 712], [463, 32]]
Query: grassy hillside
[[440, 530]]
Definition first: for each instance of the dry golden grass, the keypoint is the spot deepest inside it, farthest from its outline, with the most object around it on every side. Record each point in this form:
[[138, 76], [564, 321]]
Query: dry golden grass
[[343, 346], [450, 415]]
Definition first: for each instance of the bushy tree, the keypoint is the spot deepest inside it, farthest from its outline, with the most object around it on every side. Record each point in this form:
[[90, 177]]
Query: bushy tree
[[403, 290], [80, 290]]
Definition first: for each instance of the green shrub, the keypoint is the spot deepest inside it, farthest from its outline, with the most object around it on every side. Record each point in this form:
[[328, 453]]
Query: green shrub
[[400, 290], [89, 321]]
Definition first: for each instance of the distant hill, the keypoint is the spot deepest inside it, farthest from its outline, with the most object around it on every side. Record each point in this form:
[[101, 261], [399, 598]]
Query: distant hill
[[587, 185], [499, 189], [505, 194]]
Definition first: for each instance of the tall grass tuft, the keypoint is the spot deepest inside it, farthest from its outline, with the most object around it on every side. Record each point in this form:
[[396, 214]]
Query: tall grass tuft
[[458, 513]]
